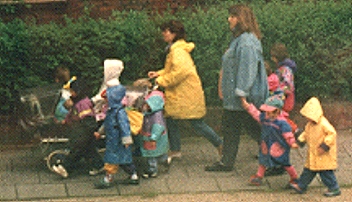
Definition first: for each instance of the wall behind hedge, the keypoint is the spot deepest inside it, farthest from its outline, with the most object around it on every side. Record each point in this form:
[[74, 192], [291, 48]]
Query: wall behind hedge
[[318, 36]]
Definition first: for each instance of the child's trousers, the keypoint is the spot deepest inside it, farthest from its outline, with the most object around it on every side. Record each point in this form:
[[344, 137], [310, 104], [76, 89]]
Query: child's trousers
[[113, 168], [153, 162], [327, 177]]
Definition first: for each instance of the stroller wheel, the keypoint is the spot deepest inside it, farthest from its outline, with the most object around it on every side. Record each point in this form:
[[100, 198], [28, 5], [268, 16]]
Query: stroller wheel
[[56, 157]]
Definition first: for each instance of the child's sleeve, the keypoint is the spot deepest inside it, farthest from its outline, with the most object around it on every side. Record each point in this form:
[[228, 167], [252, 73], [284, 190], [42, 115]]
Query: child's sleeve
[[289, 137], [157, 131], [287, 133], [330, 136], [300, 141], [254, 112], [124, 126]]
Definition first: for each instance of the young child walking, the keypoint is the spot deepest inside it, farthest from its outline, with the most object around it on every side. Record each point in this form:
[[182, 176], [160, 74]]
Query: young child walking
[[154, 140], [116, 124], [320, 137], [276, 138]]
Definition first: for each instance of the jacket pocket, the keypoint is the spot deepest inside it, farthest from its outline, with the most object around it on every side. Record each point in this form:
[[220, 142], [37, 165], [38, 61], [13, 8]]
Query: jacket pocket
[[149, 145]]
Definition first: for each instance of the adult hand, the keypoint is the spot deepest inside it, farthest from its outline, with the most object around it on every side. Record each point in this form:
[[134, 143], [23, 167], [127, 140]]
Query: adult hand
[[153, 74], [245, 104]]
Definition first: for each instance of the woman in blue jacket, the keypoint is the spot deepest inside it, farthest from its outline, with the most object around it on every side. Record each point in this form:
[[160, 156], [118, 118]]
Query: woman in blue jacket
[[242, 75]]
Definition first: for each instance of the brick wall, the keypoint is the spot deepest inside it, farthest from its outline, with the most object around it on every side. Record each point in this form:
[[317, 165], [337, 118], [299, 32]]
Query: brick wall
[[45, 11]]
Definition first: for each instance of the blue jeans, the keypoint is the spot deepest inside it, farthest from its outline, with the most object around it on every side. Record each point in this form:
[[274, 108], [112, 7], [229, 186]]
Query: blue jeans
[[234, 124], [153, 162], [198, 125], [327, 177]]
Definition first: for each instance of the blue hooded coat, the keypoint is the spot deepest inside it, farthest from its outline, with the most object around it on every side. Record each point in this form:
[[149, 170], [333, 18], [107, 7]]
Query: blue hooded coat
[[117, 128]]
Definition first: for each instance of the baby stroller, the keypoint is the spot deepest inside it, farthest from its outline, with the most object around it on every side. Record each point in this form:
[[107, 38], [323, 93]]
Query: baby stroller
[[36, 109]]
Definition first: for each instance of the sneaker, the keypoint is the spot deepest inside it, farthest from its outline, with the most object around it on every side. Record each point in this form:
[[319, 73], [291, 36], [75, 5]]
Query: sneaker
[[175, 154], [255, 180], [59, 169], [218, 167], [295, 187], [332, 193], [102, 184], [292, 181], [96, 171], [150, 175], [172, 155]]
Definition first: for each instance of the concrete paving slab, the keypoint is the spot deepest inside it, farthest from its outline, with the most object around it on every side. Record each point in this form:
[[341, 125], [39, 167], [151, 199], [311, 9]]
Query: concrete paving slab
[[87, 189], [152, 186], [236, 183], [7, 193], [39, 191], [23, 177], [193, 185]]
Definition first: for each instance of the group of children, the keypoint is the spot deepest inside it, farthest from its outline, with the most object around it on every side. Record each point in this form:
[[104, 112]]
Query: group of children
[[279, 133], [125, 122], [142, 124]]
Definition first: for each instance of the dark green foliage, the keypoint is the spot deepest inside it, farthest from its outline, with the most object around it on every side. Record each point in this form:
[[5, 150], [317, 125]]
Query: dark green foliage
[[317, 34]]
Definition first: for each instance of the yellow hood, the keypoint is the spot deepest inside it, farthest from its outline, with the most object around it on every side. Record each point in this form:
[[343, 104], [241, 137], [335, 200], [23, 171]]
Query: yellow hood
[[187, 46], [312, 110]]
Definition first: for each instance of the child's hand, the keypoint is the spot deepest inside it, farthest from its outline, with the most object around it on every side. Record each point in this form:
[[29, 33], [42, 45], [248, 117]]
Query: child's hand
[[97, 135], [294, 145], [321, 151]]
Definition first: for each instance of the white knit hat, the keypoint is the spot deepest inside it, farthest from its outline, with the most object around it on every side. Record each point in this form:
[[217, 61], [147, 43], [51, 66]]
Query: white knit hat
[[112, 71]]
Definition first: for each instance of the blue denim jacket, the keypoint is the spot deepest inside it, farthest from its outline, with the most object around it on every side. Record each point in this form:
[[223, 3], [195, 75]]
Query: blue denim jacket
[[243, 73]]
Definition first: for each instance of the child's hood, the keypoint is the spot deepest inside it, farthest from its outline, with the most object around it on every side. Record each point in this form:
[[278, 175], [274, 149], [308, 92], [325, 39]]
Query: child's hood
[[312, 109], [156, 103], [112, 71], [289, 63]]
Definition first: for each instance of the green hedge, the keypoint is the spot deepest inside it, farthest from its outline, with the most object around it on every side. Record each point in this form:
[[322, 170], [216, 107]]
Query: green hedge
[[318, 35]]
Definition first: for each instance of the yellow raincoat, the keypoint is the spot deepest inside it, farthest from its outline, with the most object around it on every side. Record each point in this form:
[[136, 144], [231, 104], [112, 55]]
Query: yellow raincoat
[[184, 96], [317, 133]]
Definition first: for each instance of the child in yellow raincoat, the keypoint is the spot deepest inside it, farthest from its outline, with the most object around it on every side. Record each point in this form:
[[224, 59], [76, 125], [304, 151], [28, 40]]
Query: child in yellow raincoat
[[320, 137]]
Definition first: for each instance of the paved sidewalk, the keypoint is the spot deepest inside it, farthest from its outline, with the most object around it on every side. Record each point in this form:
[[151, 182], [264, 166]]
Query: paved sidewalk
[[24, 176]]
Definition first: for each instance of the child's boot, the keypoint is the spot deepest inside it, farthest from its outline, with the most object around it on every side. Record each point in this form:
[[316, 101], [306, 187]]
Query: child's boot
[[255, 180]]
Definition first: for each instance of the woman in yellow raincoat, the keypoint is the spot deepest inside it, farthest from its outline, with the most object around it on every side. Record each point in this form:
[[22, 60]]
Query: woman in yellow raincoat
[[320, 137], [184, 96]]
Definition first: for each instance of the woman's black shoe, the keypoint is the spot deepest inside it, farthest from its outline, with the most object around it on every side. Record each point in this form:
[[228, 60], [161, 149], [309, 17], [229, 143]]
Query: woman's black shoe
[[218, 167]]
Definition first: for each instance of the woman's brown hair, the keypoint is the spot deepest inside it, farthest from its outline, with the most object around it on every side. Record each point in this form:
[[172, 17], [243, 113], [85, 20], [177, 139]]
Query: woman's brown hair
[[247, 21], [175, 27]]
